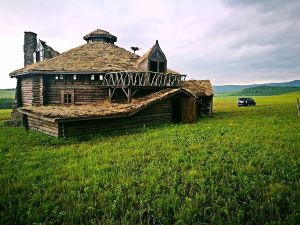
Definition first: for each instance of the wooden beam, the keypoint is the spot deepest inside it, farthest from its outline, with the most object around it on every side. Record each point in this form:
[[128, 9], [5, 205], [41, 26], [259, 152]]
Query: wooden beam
[[134, 92], [129, 96], [111, 92], [123, 89]]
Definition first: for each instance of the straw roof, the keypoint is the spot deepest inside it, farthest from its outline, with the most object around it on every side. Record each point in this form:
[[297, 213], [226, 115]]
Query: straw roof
[[199, 87], [102, 109], [145, 56], [100, 33], [92, 57]]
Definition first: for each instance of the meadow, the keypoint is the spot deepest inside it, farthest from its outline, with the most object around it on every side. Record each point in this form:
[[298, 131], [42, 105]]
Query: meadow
[[7, 97], [240, 166]]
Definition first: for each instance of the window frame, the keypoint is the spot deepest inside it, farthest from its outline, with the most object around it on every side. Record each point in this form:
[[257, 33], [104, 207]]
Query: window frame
[[69, 95]]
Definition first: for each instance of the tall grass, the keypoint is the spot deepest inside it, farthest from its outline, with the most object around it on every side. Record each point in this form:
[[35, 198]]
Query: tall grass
[[240, 166]]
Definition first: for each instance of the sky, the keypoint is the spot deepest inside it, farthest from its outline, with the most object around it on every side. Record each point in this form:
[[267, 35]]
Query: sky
[[226, 41]]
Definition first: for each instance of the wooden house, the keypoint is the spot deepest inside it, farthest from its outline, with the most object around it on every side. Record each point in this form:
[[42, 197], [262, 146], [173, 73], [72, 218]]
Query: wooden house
[[99, 86]]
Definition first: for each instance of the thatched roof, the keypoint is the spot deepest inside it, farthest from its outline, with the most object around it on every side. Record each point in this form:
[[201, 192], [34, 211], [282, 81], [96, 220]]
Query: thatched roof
[[100, 33], [103, 109], [92, 57], [199, 87], [145, 56]]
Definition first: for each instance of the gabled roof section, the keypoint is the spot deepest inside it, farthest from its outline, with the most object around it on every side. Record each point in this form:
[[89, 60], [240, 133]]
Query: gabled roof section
[[92, 57], [199, 87], [100, 110], [99, 33], [154, 52]]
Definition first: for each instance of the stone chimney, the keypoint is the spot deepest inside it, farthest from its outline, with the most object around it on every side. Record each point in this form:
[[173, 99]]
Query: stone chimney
[[30, 44]]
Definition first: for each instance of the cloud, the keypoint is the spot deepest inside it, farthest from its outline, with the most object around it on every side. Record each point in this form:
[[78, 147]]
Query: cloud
[[226, 41]]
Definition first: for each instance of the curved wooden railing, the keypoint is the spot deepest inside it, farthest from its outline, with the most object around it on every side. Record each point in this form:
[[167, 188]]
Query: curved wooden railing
[[142, 79]]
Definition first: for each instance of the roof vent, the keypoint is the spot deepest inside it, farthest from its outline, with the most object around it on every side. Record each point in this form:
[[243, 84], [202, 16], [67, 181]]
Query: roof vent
[[100, 36]]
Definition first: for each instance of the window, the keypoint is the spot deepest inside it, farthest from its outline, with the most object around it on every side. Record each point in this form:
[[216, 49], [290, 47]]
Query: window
[[153, 66], [162, 67], [61, 77], [75, 77], [67, 97], [56, 77], [92, 77], [100, 77], [37, 57]]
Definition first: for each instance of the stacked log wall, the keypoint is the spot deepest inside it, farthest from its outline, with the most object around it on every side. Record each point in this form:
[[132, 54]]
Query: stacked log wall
[[85, 90], [158, 113], [30, 91], [42, 125]]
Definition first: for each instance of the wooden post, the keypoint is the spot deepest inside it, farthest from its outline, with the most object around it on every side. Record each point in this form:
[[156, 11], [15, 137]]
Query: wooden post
[[129, 95], [109, 95], [298, 107]]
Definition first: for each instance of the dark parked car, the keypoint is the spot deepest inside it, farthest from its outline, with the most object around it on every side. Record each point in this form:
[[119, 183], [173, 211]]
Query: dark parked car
[[246, 102]]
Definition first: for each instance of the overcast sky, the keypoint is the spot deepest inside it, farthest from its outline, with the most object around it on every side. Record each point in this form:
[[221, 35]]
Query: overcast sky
[[228, 42]]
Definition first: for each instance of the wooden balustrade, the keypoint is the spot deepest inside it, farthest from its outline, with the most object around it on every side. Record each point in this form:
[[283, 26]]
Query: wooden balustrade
[[142, 79]]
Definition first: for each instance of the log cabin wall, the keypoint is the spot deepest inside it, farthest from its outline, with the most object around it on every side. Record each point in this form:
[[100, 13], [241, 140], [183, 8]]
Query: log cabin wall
[[30, 90], [42, 125], [85, 89], [158, 113]]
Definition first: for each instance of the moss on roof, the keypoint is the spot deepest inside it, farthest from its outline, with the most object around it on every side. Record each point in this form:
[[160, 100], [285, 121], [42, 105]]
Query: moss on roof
[[103, 109], [199, 87], [92, 57], [101, 33]]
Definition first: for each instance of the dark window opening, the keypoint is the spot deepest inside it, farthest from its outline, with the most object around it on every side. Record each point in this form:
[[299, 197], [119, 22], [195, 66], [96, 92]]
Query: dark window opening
[[38, 56], [162, 67], [153, 66], [176, 110]]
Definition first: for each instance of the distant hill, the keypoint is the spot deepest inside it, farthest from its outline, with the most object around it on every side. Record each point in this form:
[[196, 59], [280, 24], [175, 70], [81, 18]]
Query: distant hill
[[234, 88], [265, 90]]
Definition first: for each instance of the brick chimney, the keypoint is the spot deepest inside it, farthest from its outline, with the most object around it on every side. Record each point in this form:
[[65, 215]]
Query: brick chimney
[[30, 44]]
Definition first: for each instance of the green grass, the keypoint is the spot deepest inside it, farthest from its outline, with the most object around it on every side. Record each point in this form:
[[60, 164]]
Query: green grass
[[239, 167], [4, 114], [7, 97], [7, 93]]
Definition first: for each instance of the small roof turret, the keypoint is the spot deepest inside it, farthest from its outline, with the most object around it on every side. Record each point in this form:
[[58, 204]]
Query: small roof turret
[[100, 36]]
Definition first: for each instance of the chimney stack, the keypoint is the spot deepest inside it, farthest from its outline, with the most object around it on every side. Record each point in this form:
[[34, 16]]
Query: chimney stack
[[30, 44]]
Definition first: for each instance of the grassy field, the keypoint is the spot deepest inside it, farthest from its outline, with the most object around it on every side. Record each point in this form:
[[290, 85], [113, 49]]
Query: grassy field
[[7, 93], [240, 166], [7, 97]]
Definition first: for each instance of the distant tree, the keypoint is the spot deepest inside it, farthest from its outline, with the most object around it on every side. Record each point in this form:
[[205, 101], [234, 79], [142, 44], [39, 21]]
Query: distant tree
[[134, 49]]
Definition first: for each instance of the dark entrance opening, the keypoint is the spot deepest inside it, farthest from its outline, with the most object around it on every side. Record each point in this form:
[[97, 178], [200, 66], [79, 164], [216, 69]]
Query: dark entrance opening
[[176, 110]]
